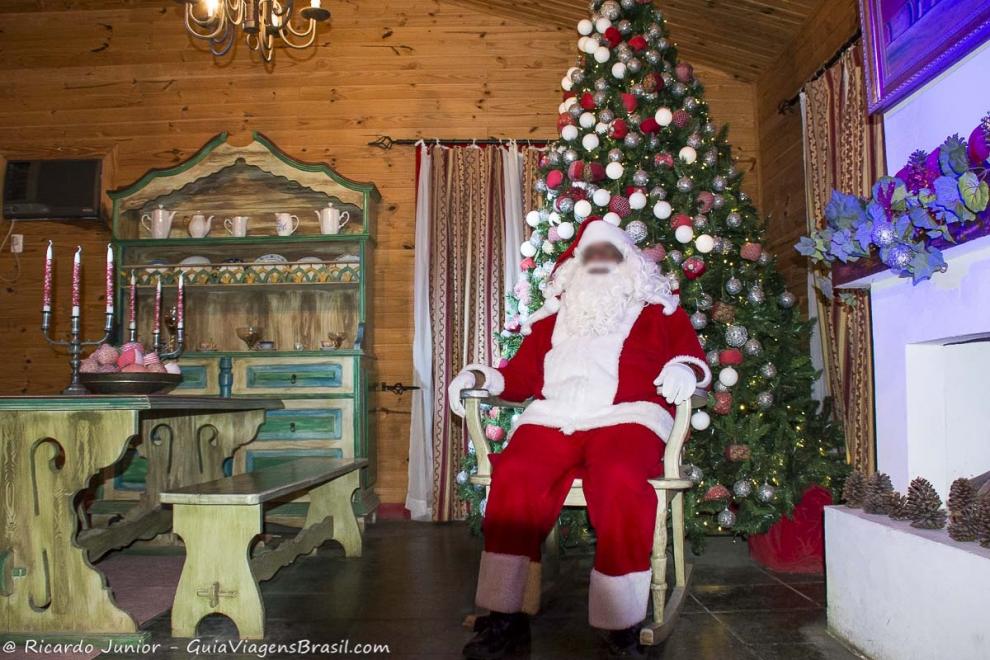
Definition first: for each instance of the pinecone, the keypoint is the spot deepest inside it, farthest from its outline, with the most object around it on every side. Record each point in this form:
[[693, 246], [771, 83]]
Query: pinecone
[[924, 506], [966, 525], [961, 495], [984, 523], [854, 490], [877, 493], [896, 506]]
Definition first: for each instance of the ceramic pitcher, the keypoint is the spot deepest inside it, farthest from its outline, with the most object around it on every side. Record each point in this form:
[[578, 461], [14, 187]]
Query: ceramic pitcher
[[286, 224], [332, 220], [236, 226], [158, 223], [200, 225]]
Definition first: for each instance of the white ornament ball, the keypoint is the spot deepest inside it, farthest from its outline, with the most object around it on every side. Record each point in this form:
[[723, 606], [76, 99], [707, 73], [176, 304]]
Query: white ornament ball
[[664, 116], [585, 27], [601, 128], [637, 201], [566, 84], [612, 218], [602, 24], [688, 155], [614, 170], [590, 45], [704, 243], [565, 230], [619, 70], [601, 197], [533, 218], [554, 218], [728, 376], [527, 249], [700, 420], [602, 54], [663, 210], [587, 120], [590, 142], [684, 234], [569, 132], [582, 208]]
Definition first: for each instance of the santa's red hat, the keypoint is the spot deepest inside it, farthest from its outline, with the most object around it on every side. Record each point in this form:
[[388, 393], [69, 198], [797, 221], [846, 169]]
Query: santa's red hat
[[595, 230]]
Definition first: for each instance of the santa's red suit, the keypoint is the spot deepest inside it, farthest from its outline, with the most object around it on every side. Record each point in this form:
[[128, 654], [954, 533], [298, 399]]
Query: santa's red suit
[[596, 414]]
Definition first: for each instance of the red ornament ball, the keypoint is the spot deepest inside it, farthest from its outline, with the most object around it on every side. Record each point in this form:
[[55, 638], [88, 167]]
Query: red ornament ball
[[694, 267], [663, 159], [750, 251], [684, 72], [619, 205], [554, 179], [587, 101], [705, 201], [730, 357], [618, 129], [637, 43], [629, 102], [681, 118], [723, 403], [681, 220]]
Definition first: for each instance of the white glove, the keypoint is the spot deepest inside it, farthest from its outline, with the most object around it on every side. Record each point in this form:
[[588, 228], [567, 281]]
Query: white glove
[[462, 381], [676, 383]]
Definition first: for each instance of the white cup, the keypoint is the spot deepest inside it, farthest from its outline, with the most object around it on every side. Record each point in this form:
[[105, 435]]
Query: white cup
[[286, 224], [333, 220], [236, 226]]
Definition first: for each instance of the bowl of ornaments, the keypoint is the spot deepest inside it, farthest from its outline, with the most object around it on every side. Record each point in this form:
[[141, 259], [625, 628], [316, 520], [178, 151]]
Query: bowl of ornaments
[[128, 369]]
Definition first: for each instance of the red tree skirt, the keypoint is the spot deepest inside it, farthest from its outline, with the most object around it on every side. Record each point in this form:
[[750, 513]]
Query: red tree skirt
[[795, 544]]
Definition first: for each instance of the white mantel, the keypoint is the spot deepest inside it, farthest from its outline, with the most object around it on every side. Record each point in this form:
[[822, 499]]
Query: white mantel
[[932, 411]]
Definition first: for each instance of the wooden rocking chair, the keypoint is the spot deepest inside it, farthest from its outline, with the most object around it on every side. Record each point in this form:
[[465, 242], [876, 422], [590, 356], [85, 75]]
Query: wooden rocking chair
[[670, 493]]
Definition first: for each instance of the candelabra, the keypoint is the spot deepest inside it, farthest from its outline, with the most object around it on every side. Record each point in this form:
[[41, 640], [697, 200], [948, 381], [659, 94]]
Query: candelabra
[[75, 344], [159, 345]]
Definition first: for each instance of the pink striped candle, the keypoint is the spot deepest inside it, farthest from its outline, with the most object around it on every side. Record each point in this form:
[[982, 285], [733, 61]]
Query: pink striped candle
[[109, 279], [46, 286], [76, 281], [133, 305], [158, 306], [180, 303]]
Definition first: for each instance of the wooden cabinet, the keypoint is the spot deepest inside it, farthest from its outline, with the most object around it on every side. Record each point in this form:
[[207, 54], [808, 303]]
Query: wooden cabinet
[[306, 293]]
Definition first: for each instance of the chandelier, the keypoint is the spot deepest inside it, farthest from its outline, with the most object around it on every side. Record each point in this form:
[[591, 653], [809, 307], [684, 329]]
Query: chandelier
[[262, 22]]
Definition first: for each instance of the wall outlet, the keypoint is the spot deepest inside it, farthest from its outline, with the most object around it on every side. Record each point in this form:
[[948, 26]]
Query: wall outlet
[[17, 243]]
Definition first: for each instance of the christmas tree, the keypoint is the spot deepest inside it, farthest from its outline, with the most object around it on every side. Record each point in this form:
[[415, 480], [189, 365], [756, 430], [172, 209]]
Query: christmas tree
[[638, 148]]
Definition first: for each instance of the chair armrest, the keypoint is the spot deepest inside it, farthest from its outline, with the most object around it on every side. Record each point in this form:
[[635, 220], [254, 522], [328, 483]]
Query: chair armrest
[[679, 433], [473, 398]]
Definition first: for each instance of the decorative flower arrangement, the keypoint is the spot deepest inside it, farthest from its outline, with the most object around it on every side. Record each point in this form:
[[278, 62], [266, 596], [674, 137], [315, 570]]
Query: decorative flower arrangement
[[909, 216]]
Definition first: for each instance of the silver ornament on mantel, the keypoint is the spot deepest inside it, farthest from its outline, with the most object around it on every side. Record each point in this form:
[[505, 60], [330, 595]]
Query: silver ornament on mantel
[[765, 493], [736, 335], [553, 157], [752, 347], [719, 387], [742, 488], [637, 230], [733, 285], [712, 358], [699, 320], [577, 76], [756, 295], [786, 300], [709, 128], [768, 370], [575, 111], [764, 400], [726, 518], [685, 184]]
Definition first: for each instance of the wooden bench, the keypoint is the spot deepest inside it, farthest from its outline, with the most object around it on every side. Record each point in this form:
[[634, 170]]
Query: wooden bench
[[219, 521]]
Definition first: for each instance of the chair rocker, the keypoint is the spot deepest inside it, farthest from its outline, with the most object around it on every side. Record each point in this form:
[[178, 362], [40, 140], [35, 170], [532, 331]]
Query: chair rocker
[[670, 494]]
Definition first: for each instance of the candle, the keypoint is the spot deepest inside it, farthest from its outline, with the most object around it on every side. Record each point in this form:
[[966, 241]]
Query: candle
[[46, 290], [158, 306], [133, 302], [179, 323], [109, 279], [76, 281], [315, 4]]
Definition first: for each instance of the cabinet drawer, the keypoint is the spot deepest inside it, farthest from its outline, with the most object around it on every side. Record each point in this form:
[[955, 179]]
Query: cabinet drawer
[[199, 377], [303, 424], [288, 376]]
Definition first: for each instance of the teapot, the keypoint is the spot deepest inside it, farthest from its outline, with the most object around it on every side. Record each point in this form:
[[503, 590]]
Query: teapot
[[332, 220], [199, 225], [159, 222]]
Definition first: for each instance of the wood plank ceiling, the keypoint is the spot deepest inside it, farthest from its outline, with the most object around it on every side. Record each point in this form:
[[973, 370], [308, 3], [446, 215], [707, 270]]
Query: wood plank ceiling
[[740, 37]]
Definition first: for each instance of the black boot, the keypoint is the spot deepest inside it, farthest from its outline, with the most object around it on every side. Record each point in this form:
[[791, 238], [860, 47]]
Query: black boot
[[624, 643], [499, 634]]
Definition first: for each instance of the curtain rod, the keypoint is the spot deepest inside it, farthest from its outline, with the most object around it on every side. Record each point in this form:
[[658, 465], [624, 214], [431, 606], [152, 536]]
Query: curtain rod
[[786, 106], [386, 142]]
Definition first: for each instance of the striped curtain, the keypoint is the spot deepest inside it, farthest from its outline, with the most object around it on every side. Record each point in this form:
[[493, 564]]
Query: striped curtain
[[843, 149]]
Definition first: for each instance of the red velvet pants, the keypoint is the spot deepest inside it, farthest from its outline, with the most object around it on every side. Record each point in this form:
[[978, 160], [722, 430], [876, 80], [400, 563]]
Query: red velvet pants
[[530, 480]]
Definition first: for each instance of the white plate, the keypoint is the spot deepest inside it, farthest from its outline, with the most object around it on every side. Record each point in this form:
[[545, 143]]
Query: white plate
[[195, 261], [310, 260], [271, 259]]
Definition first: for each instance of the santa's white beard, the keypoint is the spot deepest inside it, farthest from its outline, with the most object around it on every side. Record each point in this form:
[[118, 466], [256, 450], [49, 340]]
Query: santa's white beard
[[594, 304]]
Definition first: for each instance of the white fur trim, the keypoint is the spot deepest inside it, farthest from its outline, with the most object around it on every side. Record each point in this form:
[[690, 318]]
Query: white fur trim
[[616, 602], [692, 361], [564, 416], [549, 308], [494, 381], [502, 582], [604, 232]]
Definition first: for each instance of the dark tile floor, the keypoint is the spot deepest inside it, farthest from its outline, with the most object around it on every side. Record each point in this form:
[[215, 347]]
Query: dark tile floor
[[415, 583]]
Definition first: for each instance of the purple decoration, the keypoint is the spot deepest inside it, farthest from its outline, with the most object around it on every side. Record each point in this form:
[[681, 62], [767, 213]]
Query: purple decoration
[[978, 148]]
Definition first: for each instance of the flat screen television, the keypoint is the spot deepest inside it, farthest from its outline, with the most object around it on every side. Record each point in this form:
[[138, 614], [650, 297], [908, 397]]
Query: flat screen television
[[52, 190]]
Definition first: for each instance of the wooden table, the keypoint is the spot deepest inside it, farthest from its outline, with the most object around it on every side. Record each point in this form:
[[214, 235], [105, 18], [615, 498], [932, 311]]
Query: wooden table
[[51, 447]]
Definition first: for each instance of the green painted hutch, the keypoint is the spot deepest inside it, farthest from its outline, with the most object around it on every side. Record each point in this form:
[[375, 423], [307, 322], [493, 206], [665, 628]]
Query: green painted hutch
[[307, 293]]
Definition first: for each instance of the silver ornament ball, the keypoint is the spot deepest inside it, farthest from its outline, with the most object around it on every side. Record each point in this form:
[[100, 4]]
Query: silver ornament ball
[[704, 302], [570, 155], [699, 320], [712, 358], [676, 256], [733, 285], [640, 177], [756, 295], [742, 488], [694, 473], [768, 370], [752, 347], [786, 300], [658, 192], [685, 184], [637, 230], [736, 335], [632, 139], [765, 493], [733, 220], [700, 221], [726, 518], [764, 400]]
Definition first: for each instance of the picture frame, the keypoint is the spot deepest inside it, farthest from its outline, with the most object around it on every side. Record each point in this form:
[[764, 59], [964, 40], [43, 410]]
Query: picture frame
[[907, 43]]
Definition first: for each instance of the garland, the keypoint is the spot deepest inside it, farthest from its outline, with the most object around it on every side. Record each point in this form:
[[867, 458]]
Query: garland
[[909, 216]]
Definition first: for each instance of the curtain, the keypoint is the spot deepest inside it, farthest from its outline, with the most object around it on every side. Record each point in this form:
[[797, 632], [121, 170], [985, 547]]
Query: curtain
[[419, 495], [512, 181], [843, 149]]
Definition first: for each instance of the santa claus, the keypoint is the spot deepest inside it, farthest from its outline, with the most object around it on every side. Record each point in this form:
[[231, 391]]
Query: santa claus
[[605, 361]]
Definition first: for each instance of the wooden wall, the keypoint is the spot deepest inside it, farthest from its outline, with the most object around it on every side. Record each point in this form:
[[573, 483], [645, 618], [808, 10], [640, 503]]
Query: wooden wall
[[120, 78], [781, 152]]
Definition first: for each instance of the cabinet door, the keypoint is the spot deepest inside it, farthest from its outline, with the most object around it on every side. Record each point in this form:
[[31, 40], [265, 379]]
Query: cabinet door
[[293, 376], [200, 377]]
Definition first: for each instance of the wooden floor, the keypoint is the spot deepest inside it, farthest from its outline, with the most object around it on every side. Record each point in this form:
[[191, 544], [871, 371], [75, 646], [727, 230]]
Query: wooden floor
[[415, 584]]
